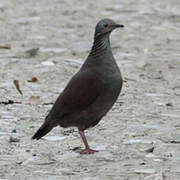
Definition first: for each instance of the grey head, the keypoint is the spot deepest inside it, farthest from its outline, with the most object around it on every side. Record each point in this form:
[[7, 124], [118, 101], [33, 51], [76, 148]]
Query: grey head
[[106, 26]]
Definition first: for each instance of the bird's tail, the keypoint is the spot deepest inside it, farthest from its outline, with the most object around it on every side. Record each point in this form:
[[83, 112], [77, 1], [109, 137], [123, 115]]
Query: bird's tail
[[43, 130]]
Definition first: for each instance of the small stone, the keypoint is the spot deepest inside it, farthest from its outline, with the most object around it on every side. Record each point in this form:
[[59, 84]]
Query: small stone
[[143, 163], [32, 52], [14, 131], [138, 141], [47, 63], [19, 162], [149, 150], [76, 148], [145, 171], [169, 104], [160, 103], [13, 139], [157, 160]]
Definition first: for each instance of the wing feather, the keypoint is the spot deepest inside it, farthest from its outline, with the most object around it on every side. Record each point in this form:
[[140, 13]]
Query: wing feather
[[80, 92]]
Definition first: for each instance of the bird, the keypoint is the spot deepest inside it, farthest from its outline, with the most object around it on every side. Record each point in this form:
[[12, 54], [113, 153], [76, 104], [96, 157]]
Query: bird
[[91, 92]]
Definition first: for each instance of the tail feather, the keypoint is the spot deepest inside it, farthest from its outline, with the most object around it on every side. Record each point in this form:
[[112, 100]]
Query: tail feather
[[42, 131]]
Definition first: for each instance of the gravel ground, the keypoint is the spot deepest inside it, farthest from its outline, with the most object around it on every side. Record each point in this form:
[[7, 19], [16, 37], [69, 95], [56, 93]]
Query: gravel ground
[[49, 40]]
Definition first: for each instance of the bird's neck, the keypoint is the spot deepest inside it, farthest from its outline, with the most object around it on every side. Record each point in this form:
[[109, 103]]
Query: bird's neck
[[100, 46]]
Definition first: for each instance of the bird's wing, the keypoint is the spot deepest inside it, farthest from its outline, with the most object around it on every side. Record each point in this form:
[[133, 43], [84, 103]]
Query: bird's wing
[[80, 92]]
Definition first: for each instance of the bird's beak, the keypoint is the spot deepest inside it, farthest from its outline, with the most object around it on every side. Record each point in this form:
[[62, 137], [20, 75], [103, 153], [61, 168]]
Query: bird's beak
[[119, 26]]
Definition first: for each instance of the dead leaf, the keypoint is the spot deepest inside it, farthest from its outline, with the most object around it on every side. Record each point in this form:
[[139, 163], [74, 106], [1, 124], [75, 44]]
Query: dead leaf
[[5, 47], [16, 83], [33, 100], [34, 79]]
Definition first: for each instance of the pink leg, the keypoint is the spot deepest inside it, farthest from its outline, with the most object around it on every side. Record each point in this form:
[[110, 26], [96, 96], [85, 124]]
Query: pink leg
[[87, 149]]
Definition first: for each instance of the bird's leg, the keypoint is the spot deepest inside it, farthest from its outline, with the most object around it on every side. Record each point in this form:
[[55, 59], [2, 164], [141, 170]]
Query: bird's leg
[[87, 149]]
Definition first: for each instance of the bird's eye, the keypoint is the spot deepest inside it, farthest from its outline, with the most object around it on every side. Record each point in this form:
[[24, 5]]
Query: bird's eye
[[105, 25]]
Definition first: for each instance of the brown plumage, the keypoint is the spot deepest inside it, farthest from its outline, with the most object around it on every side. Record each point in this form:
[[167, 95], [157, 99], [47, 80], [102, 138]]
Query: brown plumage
[[91, 92]]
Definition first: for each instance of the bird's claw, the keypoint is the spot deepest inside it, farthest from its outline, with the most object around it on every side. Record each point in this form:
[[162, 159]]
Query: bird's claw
[[88, 151]]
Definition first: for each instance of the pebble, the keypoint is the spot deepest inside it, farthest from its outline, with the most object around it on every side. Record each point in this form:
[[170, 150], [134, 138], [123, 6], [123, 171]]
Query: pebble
[[47, 63], [163, 103], [145, 171], [138, 141], [31, 52], [157, 160], [14, 131], [13, 139]]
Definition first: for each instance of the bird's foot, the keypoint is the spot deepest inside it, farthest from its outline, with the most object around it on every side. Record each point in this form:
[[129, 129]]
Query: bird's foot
[[88, 151]]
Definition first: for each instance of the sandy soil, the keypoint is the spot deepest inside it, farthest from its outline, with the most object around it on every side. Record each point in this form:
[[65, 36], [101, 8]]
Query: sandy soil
[[139, 138]]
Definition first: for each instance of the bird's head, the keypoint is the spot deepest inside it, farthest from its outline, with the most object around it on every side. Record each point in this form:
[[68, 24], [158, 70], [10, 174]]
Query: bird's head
[[106, 26]]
